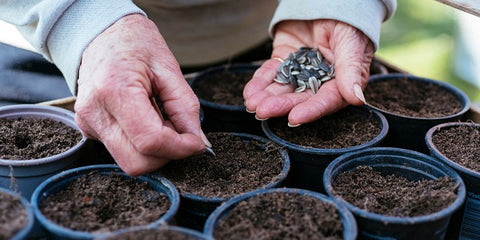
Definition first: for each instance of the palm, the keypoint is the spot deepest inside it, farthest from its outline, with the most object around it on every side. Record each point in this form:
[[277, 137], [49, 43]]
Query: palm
[[342, 44]]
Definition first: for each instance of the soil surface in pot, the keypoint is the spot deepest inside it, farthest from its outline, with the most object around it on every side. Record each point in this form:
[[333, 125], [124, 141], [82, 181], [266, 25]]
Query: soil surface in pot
[[394, 195], [153, 234], [412, 98], [223, 87], [345, 128], [96, 202], [238, 167], [13, 216], [460, 144], [32, 138], [281, 216]]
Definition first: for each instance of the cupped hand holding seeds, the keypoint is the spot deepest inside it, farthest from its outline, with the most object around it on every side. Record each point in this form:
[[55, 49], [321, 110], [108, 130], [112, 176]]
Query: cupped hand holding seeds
[[341, 44], [121, 71]]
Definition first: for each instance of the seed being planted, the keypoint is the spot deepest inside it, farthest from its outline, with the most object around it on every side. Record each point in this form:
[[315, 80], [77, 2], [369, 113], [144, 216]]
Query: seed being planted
[[306, 68]]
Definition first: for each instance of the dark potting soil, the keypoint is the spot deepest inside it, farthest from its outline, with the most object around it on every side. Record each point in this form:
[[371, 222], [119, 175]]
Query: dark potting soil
[[238, 167], [412, 98], [153, 234], [281, 216], [345, 128], [31, 138], [102, 203], [460, 144], [394, 195], [13, 216], [223, 87]]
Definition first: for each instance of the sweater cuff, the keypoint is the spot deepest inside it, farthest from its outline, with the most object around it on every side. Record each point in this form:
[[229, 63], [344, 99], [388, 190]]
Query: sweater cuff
[[77, 27], [366, 16]]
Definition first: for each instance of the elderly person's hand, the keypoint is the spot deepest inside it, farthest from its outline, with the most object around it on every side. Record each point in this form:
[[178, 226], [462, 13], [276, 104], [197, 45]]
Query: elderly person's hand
[[121, 71], [345, 46]]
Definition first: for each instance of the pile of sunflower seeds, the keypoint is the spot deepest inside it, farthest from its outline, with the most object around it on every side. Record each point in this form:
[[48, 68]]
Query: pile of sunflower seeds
[[306, 68]]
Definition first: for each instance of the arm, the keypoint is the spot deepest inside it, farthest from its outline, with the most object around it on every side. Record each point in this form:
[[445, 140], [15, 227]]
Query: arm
[[121, 62], [347, 34], [61, 29]]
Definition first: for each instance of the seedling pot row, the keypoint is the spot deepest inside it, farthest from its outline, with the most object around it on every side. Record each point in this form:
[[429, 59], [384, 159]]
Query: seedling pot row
[[399, 146]]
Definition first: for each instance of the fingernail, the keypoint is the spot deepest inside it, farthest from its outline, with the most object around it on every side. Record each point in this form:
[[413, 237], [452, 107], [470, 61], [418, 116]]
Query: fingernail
[[250, 111], [359, 93], [260, 119], [293, 125], [210, 151], [205, 140]]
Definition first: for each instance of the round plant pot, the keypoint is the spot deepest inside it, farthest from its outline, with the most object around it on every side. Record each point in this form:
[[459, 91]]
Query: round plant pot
[[223, 117], [409, 131], [195, 208], [60, 181], [24, 232], [163, 232], [467, 219], [29, 173], [347, 219], [308, 163], [405, 163]]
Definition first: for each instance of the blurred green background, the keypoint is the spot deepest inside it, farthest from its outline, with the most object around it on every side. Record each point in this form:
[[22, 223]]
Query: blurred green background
[[420, 38]]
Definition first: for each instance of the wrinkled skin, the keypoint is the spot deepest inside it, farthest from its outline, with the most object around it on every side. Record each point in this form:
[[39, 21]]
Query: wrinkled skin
[[129, 63], [121, 70], [340, 43]]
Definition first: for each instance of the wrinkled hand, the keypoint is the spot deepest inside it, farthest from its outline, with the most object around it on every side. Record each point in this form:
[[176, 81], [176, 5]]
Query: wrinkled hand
[[121, 70], [340, 43]]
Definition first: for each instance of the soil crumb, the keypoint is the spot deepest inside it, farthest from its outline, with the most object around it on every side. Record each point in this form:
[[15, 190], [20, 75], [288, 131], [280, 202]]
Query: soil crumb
[[281, 216], [393, 195], [239, 166], [32, 138], [97, 202]]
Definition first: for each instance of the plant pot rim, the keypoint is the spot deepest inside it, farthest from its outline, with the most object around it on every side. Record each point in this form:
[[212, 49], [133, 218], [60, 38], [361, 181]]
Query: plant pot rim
[[188, 231], [461, 97], [235, 66], [281, 176], [55, 180], [23, 233], [44, 112], [437, 154], [392, 151], [344, 214], [335, 151]]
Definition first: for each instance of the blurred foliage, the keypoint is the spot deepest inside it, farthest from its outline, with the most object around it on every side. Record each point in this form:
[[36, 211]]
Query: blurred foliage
[[420, 38]]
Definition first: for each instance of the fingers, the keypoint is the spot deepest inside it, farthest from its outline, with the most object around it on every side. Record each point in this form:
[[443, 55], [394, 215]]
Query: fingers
[[353, 53], [325, 102], [179, 102], [262, 78], [302, 107], [114, 100]]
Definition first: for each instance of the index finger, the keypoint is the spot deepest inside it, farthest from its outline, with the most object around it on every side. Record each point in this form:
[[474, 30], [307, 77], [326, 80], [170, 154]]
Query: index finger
[[146, 131]]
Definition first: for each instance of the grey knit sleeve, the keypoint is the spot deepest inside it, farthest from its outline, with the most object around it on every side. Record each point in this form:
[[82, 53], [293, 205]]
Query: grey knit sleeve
[[61, 29], [365, 15]]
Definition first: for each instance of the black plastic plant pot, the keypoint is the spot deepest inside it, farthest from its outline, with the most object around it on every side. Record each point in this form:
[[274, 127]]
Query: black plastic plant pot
[[411, 165], [162, 232], [308, 164], [29, 173], [468, 219], [25, 231], [61, 180], [195, 209], [223, 117], [348, 221], [407, 131]]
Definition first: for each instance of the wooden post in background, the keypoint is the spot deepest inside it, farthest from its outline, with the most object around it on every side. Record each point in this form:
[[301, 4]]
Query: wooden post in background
[[469, 6]]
